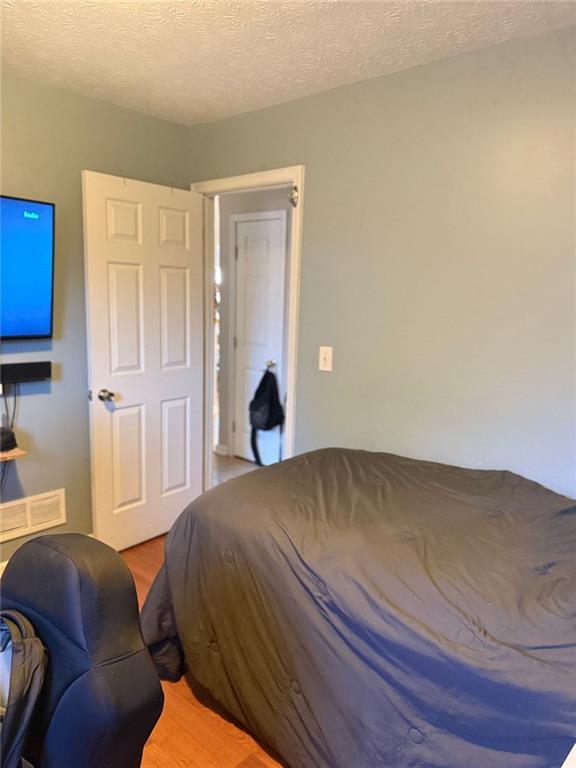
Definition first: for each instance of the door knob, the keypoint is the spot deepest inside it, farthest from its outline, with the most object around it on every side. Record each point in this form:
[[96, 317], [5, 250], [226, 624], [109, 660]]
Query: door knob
[[105, 395]]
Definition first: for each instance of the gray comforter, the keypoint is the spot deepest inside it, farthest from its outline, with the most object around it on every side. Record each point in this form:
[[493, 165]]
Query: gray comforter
[[363, 610]]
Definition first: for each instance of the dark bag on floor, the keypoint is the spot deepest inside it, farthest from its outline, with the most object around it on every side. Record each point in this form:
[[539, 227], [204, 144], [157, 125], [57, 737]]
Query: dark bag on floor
[[27, 666], [266, 410]]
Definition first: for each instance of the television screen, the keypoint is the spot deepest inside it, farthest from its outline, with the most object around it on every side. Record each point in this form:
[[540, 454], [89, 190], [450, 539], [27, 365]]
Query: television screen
[[26, 268]]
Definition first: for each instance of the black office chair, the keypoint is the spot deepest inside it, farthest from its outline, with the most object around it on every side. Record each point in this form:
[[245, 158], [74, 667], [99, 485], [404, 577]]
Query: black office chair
[[102, 696]]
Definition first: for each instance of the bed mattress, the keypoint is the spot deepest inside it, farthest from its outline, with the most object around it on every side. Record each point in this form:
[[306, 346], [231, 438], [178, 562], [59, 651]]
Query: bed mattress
[[365, 610]]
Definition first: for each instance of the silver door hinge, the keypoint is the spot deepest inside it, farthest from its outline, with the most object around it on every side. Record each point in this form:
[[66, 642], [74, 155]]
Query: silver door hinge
[[294, 196], [236, 252], [235, 342], [233, 426]]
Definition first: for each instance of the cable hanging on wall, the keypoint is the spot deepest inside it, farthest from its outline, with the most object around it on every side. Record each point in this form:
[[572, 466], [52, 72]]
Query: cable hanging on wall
[[7, 437]]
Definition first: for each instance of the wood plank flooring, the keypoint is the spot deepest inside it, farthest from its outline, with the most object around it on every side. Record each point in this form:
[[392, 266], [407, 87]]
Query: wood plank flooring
[[226, 467], [188, 734]]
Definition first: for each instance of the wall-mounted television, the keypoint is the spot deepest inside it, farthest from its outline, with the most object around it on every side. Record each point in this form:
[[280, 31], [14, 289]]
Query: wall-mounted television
[[26, 268]]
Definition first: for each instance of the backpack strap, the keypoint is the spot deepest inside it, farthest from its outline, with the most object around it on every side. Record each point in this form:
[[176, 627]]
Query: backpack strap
[[26, 679], [254, 446], [280, 442]]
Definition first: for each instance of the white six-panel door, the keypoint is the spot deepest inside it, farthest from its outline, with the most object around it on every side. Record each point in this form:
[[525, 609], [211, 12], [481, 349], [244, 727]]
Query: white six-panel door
[[260, 241], [143, 259]]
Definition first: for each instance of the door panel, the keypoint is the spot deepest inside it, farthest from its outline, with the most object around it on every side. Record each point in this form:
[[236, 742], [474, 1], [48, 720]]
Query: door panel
[[260, 241], [143, 256], [128, 456], [125, 311], [175, 444], [124, 220], [175, 316], [174, 227]]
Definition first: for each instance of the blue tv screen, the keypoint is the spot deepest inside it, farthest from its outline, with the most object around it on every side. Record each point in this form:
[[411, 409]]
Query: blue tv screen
[[26, 268]]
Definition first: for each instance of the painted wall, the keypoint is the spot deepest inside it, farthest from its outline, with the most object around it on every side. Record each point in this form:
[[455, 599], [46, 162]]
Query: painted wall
[[48, 137], [438, 258], [243, 202]]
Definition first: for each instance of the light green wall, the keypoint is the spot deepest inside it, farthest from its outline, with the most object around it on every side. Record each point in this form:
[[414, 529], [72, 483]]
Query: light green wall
[[438, 255], [48, 137]]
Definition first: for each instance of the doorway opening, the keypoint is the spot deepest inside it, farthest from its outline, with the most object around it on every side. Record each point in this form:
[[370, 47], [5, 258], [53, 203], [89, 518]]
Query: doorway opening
[[253, 226], [251, 263]]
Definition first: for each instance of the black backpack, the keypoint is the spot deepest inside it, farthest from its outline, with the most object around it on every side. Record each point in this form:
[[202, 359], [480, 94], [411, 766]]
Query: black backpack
[[27, 669], [266, 410]]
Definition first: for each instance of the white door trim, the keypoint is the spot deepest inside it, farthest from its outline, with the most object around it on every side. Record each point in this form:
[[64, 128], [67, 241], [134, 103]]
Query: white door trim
[[278, 177], [250, 182]]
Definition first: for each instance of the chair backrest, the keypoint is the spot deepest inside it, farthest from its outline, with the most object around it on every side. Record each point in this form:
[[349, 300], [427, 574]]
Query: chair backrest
[[101, 696]]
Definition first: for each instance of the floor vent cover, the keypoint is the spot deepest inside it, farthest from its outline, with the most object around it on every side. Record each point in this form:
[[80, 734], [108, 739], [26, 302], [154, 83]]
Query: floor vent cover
[[32, 514]]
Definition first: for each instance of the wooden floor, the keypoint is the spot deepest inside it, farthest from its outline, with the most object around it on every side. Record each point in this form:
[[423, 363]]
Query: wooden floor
[[226, 467], [189, 735]]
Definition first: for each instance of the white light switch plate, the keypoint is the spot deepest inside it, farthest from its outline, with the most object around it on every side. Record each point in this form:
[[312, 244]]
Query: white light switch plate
[[325, 358]]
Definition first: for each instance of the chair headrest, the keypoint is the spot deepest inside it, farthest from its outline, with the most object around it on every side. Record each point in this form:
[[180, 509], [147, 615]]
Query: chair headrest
[[82, 586]]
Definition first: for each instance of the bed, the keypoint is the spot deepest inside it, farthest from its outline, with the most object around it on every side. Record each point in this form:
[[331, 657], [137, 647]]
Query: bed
[[365, 610]]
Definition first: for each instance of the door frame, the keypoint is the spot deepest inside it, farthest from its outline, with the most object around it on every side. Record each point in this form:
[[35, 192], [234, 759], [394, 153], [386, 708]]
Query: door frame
[[291, 176]]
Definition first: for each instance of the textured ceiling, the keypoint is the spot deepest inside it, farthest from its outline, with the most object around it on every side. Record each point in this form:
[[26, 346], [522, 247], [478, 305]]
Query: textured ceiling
[[192, 61]]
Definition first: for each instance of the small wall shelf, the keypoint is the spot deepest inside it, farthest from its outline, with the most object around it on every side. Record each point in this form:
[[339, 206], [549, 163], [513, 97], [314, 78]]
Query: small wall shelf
[[15, 453]]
